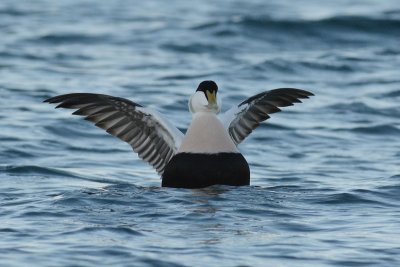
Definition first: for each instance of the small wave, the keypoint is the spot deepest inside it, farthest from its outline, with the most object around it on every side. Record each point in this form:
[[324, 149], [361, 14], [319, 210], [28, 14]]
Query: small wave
[[386, 194], [36, 170], [361, 108], [296, 67], [21, 54], [206, 25], [71, 38], [383, 129], [186, 76], [16, 153], [297, 156], [393, 12], [378, 129], [8, 230], [276, 64], [346, 198], [338, 26], [374, 81], [388, 52], [325, 66], [16, 12], [196, 48], [116, 230], [72, 56], [392, 191], [42, 214], [392, 94], [10, 139], [344, 23], [298, 227], [147, 261]]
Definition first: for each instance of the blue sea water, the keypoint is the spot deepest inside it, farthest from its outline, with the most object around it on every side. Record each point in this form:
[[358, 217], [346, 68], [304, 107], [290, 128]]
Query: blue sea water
[[325, 175]]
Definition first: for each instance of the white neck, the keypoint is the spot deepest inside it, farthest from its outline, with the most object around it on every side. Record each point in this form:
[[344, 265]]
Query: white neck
[[206, 134]]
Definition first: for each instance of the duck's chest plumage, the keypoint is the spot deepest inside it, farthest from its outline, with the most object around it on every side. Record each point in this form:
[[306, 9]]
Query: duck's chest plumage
[[206, 134], [207, 156]]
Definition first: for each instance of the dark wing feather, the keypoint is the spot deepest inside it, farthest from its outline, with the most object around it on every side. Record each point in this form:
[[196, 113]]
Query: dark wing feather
[[151, 136], [241, 120]]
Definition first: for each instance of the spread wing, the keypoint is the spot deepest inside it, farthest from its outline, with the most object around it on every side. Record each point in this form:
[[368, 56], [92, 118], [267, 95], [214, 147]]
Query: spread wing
[[241, 120], [151, 136]]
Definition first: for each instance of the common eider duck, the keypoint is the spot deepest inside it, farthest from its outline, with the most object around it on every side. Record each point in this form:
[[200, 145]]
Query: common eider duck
[[207, 154]]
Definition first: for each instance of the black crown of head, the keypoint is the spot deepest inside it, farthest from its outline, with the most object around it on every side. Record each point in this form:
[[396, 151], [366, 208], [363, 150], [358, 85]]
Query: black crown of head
[[207, 85]]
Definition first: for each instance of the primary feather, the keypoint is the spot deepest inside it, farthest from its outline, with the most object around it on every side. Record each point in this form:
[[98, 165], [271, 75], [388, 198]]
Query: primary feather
[[242, 119], [150, 135]]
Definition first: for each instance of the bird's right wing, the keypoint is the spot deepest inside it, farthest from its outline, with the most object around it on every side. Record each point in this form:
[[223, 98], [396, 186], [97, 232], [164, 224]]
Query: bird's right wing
[[151, 136], [242, 119]]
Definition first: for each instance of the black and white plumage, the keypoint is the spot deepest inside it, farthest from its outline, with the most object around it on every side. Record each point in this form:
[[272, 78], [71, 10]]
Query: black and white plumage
[[151, 136], [242, 119], [207, 154]]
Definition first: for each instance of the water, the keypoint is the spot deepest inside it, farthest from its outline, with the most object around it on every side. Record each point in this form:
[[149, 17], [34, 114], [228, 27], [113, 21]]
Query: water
[[325, 174]]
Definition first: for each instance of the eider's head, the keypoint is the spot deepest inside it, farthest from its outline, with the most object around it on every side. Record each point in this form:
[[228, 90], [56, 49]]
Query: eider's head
[[205, 98]]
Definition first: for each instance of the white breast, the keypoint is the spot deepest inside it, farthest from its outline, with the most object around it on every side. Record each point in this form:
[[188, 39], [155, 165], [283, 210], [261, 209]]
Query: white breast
[[206, 134]]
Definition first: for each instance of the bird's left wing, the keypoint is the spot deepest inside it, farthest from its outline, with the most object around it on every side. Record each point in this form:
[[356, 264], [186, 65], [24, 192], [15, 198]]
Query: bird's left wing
[[151, 136], [242, 119]]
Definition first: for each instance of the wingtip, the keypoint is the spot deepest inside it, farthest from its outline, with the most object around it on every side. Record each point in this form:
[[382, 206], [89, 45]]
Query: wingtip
[[305, 93], [51, 100]]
